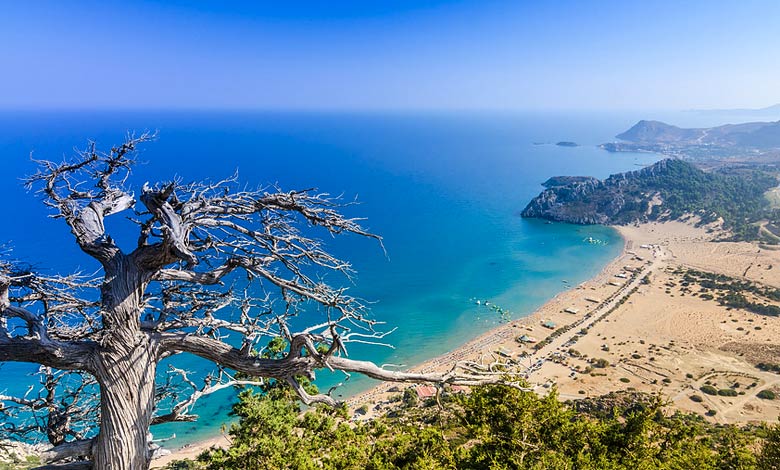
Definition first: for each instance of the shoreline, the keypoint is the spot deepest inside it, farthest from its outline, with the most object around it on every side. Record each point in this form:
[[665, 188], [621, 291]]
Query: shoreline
[[504, 337], [641, 324], [494, 338]]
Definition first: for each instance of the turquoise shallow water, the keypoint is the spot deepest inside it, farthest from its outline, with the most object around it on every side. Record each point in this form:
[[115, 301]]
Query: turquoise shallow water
[[444, 190]]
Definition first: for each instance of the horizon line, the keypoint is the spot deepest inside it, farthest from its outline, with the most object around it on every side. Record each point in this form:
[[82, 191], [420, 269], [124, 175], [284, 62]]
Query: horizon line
[[328, 109]]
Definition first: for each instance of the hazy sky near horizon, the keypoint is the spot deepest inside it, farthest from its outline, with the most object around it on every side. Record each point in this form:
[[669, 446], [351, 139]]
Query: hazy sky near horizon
[[399, 54]]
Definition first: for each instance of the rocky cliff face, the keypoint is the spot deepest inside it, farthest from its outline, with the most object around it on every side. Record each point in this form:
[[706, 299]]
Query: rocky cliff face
[[557, 181], [620, 199]]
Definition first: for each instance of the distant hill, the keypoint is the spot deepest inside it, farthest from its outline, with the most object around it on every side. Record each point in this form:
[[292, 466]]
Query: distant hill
[[657, 131], [666, 190], [759, 135], [746, 142]]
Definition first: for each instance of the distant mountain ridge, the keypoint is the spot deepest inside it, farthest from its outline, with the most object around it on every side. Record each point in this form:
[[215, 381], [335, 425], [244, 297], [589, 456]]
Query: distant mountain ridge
[[760, 135], [750, 142], [772, 110]]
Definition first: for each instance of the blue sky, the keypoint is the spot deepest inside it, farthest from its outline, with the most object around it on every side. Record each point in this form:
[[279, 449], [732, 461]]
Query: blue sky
[[468, 54]]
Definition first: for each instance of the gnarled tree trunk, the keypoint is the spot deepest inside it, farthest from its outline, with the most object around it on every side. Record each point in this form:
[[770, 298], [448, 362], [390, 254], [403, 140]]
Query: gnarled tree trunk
[[125, 369], [126, 377]]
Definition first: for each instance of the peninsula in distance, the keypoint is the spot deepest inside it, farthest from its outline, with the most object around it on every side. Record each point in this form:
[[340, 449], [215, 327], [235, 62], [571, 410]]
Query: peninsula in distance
[[745, 142]]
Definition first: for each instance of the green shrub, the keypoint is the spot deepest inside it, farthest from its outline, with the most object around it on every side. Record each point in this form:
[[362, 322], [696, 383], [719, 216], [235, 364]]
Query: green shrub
[[601, 363], [493, 427], [709, 389]]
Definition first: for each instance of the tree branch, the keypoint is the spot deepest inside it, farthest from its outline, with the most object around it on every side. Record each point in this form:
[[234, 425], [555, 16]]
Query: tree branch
[[36, 346], [300, 363], [308, 399], [57, 354], [180, 411], [80, 448], [206, 278], [85, 209], [175, 232]]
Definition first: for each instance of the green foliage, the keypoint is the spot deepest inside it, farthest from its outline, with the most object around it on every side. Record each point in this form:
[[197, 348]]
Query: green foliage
[[767, 394], [734, 450], [769, 457], [738, 300], [493, 427], [709, 389], [769, 367], [17, 462], [20, 463], [273, 433], [731, 292], [684, 189], [410, 397], [183, 465], [600, 363], [264, 436], [275, 349], [669, 189]]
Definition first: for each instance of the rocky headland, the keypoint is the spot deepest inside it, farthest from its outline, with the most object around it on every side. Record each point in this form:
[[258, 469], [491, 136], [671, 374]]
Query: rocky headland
[[670, 189]]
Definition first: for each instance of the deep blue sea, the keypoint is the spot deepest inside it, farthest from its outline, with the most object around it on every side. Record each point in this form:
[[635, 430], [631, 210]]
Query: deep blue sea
[[444, 190]]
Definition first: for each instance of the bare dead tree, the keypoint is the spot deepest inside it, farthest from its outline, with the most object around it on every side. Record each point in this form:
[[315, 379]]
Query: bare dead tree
[[217, 269], [62, 408]]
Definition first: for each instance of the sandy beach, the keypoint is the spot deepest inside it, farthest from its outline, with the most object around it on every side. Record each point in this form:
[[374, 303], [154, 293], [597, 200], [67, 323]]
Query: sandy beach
[[637, 325]]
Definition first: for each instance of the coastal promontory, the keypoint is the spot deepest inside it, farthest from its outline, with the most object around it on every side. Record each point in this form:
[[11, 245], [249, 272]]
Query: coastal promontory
[[667, 190]]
